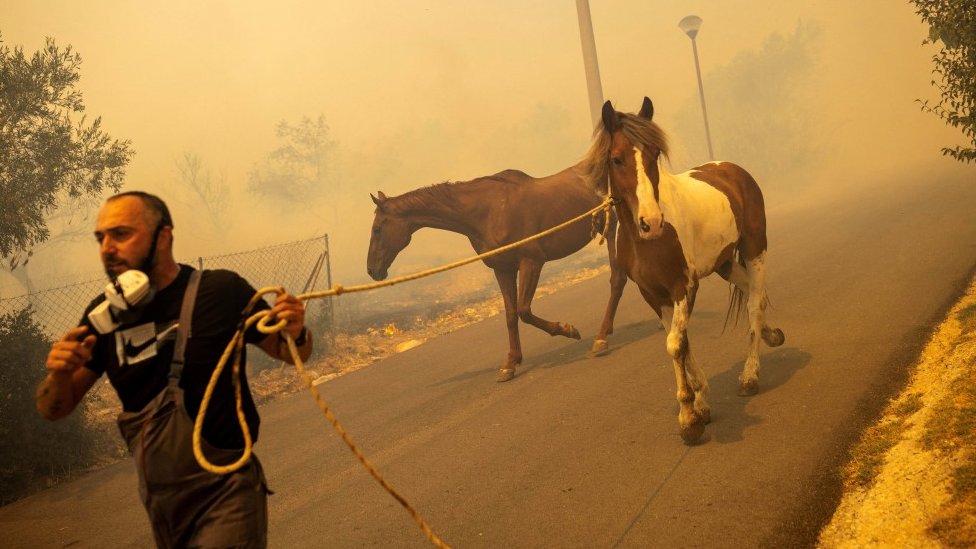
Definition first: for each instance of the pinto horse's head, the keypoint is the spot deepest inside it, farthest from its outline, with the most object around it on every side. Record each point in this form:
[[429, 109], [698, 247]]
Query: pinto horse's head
[[390, 235], [629, 147]]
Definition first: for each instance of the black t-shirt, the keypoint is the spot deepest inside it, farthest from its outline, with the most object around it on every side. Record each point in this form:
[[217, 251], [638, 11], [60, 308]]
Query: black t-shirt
[[137, 355]]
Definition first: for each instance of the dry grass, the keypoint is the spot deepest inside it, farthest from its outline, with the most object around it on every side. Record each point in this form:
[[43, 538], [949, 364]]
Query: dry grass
[[869, 455], [952, 430], [911, 480]]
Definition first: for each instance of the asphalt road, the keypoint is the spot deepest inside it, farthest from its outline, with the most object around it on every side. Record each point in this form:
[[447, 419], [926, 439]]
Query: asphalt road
[[585, 452]]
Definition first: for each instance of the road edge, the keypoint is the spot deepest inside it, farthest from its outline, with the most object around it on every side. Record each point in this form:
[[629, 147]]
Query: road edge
[[912, 483]]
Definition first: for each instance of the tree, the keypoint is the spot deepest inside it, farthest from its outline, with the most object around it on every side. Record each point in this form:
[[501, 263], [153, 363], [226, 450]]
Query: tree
[[49, 152], [953, 22], [299, 171], [209, 192]]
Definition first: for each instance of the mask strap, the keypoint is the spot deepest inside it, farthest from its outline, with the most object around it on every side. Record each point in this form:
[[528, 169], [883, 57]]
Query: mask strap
[[150, 261]]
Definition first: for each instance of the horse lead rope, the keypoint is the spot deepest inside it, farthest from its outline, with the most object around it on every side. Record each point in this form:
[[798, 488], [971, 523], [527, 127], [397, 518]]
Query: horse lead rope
[[236, 344]]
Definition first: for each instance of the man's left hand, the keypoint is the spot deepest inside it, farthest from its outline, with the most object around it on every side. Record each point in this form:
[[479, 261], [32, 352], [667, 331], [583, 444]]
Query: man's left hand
[[292, 310]]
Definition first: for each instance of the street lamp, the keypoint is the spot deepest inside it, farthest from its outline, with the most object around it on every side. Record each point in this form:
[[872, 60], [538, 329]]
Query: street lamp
[[690, 26], [590, 65]]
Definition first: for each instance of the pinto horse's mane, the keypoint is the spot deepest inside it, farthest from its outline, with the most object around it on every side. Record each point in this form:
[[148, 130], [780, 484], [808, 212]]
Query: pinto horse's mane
[[639, 130]]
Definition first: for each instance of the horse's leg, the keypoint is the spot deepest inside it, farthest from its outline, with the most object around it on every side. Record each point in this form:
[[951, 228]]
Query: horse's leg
[[529, 270], [692, 423], [696, 376], [692, 387], [738, 275], [618, 279], [506, 283], [756, 306]]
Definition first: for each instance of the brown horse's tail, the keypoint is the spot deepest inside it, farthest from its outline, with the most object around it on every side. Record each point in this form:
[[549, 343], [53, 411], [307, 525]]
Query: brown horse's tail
[[736, 296]]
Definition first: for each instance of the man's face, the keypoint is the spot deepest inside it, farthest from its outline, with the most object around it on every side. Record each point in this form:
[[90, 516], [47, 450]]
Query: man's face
[[124, 234]]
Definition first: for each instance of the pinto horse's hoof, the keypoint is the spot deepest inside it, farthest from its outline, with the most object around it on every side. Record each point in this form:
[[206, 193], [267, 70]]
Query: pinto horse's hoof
[[694, 430], [706, 415], [505, 374], [600, 347], [748, 388], [773, 337]]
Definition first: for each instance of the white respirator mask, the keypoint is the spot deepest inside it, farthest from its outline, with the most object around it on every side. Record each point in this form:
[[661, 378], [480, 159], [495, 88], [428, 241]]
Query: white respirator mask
[[125, 297]]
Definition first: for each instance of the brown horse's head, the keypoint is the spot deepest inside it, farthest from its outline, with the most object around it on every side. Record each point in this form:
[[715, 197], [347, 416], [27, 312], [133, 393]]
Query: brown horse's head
[[390, 235], [623, 162]]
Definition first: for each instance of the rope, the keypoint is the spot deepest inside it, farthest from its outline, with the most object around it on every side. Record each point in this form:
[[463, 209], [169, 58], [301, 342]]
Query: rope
[[263, 319]]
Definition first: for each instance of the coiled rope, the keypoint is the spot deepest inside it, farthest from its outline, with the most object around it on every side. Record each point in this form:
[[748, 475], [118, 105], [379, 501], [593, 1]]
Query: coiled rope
[[263, 318]]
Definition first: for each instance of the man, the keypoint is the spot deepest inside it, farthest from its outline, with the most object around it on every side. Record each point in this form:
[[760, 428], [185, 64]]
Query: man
[[159, 356]]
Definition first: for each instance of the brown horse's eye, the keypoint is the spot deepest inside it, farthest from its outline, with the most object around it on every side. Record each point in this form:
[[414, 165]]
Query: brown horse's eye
[[376, 230]]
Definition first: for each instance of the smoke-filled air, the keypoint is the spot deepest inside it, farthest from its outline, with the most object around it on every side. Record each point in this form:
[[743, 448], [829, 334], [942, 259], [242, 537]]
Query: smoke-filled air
[[219, 98]]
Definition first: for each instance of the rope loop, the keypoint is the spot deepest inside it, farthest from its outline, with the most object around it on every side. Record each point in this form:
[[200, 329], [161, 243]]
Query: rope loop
[[264, 328]]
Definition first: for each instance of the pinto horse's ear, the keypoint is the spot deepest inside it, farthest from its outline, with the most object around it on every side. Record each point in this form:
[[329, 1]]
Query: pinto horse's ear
[[647, 109], [609, 117]]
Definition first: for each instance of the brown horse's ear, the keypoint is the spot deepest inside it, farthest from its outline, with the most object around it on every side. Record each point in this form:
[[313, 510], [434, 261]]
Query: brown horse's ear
[[609, 117], [647, 109], [378, 200]]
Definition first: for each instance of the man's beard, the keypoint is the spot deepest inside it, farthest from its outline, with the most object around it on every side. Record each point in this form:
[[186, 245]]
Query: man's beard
[[115, 265]]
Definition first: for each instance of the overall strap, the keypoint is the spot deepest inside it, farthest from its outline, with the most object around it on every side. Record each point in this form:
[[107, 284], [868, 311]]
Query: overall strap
[[183, 329]]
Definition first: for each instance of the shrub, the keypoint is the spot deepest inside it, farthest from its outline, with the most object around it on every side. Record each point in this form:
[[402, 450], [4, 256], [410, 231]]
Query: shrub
[[34, 452]]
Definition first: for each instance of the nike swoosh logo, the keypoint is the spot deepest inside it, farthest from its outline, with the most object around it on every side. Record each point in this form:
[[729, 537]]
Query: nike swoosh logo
[[133, 351]]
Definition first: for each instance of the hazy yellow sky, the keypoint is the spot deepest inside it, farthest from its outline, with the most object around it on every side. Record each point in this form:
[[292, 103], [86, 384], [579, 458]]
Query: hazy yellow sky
[[213, 78]]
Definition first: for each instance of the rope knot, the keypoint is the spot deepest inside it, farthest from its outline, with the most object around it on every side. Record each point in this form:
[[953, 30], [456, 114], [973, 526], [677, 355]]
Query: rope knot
[[596, 230]]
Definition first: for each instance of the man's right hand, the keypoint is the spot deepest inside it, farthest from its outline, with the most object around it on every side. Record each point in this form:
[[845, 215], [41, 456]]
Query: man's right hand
[[71, 352], [66, 382]]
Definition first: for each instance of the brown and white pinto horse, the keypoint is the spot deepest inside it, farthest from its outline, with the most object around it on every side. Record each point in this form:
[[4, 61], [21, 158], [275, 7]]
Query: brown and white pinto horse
[[493, 211], [676, 229]]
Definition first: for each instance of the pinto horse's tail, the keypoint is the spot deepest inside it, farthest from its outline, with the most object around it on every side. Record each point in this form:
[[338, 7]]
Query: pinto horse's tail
[[737, 297]]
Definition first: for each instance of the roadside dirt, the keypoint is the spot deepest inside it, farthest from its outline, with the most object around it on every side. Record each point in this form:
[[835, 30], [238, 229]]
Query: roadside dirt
[[908, 480]]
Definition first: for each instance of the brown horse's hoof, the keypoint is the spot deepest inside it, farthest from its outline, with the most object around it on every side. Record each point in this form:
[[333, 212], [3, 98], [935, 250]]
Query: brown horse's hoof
[[600, 347], [694, 430], [774, 337], [571, 331], [748, 388], [505, 374]]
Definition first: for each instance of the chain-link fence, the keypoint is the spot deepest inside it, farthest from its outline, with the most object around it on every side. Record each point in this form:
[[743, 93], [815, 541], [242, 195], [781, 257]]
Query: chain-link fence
[[302, 266]]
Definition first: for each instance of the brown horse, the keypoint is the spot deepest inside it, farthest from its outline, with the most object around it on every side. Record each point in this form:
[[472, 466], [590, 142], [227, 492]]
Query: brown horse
[[677, 229], [493, 211]]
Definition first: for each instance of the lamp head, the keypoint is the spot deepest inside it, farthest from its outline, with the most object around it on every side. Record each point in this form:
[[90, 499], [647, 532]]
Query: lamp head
[[690, 25]]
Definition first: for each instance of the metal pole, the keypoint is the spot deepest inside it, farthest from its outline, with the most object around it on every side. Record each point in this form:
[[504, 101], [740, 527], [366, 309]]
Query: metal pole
[[593, 87], [701, 93]]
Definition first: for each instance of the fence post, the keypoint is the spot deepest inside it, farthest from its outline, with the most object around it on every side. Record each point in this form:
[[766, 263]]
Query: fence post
[[330, 301]]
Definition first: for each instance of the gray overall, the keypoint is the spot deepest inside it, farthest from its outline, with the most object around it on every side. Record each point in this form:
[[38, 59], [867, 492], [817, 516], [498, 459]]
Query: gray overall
[[188, 506]]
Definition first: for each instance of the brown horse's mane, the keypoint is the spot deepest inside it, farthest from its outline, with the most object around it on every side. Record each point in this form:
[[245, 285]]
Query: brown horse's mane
[[441, 194], [638, 130]]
